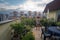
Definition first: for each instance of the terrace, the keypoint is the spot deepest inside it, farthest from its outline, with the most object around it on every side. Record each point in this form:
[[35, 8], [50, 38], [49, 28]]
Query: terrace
[[37, 28], [32, 26]]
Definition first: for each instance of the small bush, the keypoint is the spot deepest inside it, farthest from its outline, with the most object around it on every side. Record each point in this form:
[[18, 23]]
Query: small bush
[[27, 21], [46, 22], [19, 28], [28, 36], [58, 23]]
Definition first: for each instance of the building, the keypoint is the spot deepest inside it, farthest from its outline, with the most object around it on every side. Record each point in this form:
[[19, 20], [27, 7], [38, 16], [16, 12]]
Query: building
[[14, 15], [6, 15], [3, 17], [6, 19], [52, 10], [34, 14], [25, 15], [30, 14], [21, 13]]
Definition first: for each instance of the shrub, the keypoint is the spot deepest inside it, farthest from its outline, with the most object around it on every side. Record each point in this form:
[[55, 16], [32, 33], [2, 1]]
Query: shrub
[[28, 36], [58, 23], [28, 27], [27, 21], [18, 28], [46, 22]]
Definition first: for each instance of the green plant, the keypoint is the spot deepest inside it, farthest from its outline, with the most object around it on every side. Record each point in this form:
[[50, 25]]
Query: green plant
[[23, 28], [44, 22], [28, 27], [47, 22], [28, 36], [30, 22], [18, 28], [27, 21], [58, 23]]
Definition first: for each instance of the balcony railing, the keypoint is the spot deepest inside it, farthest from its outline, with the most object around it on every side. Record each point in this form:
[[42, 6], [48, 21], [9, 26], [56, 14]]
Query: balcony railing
[[6, 21]]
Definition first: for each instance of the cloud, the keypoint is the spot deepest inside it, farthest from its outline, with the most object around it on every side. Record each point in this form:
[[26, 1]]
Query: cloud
[[3, 1], [7, 7], [33, 5]]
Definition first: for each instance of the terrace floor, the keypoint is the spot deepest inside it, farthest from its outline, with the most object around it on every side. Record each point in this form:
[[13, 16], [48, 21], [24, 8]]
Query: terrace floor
[[37, 33], [5, 30]]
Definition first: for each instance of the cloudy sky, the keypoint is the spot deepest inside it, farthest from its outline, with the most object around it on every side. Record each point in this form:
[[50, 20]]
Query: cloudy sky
[[33, 5]]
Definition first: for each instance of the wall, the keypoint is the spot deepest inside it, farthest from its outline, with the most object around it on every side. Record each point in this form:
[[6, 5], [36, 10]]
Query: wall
[[58, 15], [55, 15], [52, 15]]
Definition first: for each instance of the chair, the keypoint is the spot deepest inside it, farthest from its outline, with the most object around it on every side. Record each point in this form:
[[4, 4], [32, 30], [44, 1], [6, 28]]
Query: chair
[[56, 37], [43, 30], [47, 35]]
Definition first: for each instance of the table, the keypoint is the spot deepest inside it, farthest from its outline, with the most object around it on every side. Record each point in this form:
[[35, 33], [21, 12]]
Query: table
[[54, 31]]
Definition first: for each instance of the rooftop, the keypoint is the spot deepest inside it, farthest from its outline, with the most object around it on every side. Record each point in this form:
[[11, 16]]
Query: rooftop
[[54, 5]]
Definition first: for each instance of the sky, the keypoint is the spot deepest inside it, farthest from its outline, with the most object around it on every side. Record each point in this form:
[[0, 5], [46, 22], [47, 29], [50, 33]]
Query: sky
[[28, 5]]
